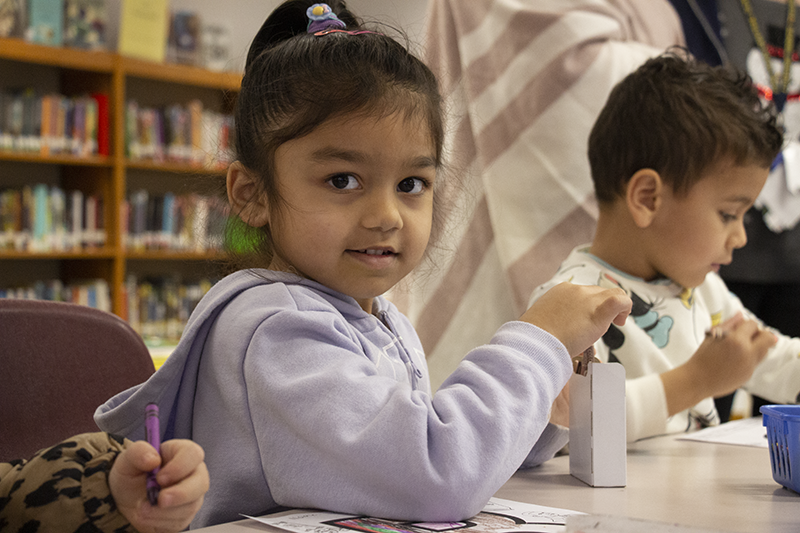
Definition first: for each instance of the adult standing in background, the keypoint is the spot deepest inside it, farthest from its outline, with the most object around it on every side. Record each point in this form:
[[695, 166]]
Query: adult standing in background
[[524, 82]]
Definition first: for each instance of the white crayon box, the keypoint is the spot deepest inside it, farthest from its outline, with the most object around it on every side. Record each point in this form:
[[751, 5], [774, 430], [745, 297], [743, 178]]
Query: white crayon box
[[597, 442]]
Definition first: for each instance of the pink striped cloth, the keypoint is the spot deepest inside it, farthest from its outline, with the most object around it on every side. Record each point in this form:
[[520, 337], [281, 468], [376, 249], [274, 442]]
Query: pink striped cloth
[[523, 81]]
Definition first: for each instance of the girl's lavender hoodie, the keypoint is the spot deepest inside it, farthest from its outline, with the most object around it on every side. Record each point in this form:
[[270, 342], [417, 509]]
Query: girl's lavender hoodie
[[302, 399]]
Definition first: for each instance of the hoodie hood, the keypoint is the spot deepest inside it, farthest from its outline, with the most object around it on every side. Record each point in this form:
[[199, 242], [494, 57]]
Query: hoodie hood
[[173, 386]]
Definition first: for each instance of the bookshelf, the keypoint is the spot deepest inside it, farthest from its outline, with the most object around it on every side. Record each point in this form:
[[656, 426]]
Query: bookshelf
[[114, 176]]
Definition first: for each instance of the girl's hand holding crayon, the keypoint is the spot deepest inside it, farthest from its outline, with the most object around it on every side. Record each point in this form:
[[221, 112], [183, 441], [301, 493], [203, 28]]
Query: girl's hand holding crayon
[[578, 315], [183, 477]]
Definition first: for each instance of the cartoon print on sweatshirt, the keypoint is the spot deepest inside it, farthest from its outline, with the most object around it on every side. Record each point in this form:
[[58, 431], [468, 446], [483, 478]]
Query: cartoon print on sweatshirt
[[642, 313], [687, 298]]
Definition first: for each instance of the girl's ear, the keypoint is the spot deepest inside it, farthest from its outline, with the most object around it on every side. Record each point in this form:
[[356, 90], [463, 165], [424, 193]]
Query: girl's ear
[[644, 196], [245, 198]]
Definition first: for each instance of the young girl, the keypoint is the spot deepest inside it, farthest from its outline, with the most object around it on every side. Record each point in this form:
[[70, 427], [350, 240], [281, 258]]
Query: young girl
[[307, 388]]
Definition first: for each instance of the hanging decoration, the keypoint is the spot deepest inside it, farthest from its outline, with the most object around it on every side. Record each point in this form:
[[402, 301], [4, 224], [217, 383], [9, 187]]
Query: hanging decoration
[[777, 91]]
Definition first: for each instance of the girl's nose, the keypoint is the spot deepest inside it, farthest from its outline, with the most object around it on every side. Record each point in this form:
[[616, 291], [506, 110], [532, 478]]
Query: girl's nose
[[382, 212]]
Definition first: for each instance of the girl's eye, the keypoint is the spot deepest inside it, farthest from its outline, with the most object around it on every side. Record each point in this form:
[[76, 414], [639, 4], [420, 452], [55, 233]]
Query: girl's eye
[[344, 182], [412, 185], [727, 217]]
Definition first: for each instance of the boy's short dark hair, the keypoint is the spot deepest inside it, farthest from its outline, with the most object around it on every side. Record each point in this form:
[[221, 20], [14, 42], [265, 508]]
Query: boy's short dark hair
[[679, 116]]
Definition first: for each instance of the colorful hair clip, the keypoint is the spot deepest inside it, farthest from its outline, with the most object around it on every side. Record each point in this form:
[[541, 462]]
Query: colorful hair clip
[[321, 17], [348, 32]]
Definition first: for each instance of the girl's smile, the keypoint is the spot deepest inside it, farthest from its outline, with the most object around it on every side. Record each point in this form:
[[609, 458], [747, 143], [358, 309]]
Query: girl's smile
[[375, 257], [357, 203]]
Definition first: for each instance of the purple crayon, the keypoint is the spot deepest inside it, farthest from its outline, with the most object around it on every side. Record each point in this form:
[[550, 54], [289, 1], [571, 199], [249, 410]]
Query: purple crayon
[[153, 435]]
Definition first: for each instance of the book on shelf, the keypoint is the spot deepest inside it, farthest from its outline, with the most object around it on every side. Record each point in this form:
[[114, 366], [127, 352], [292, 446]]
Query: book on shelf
[[19, 128], [74, 220], [88, 143], [91, 231], [91, 292], [215, 41], [132, 130], [196, 130], [13, 18], [85, 24], [45, 22], [53, 123], [8, 119], [179, 133], [41, 219], [28, 133], [58, 219], [22, 238], [77, 128], [48, 118], [165, 235], [143, 29], [46, 218], [159, 307], [103, 124], [183, 44], [11, 216], [185, 222]]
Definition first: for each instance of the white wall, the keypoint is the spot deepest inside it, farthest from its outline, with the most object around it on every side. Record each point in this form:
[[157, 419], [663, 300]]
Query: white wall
[[246, 16]]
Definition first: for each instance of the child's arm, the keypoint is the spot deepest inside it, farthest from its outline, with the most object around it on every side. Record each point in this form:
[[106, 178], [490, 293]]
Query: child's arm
[[777, 377], [86, 458], [720, 365], [578, 315], [183, 478]]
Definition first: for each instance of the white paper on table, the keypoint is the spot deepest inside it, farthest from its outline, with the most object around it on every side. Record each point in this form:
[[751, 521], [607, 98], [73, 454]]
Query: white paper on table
[[498, 515], [745, 432]]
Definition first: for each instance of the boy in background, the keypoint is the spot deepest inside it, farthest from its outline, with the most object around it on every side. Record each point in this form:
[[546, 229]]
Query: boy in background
[[678, 154]]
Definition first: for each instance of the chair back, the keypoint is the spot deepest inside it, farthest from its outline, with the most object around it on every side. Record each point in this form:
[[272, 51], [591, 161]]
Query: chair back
[[58, 363]]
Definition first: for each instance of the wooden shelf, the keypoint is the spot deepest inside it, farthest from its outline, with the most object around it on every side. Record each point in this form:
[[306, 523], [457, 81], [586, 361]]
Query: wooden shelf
[[65, 58], [180, 74], [78, 72], [173, 167], [174, 255], [88, 254], [58, 159]]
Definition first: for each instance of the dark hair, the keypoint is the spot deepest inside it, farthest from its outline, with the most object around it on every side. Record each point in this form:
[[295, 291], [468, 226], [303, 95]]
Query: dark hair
[[295, 81], [679, 116]]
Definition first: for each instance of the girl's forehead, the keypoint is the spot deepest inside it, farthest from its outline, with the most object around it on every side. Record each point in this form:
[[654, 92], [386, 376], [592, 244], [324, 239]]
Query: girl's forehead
[[378, 113], [375, 128]]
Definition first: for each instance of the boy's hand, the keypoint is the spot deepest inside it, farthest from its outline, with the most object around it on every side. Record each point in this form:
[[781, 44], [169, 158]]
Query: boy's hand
[[724, 361], [729, 359], [183, 478], [578, 315]]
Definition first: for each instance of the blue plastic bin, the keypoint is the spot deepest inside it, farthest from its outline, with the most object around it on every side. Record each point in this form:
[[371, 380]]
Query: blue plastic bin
[[783, 434]]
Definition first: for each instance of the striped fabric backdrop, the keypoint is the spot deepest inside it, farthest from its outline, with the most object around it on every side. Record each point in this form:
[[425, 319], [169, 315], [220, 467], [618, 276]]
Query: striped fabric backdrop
[[523, 81]]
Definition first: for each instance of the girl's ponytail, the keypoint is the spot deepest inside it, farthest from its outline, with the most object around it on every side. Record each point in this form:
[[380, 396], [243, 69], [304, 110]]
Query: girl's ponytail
[[290, 19]]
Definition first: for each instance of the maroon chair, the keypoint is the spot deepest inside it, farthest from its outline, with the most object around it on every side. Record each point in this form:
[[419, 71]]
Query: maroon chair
[[58, 362]]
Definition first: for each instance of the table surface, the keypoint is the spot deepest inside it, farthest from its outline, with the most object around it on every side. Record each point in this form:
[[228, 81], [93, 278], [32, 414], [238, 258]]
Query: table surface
[[701, 484]]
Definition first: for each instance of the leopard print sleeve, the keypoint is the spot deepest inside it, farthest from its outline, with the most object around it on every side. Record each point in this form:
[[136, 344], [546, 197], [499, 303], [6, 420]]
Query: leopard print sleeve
[[63, 488]]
